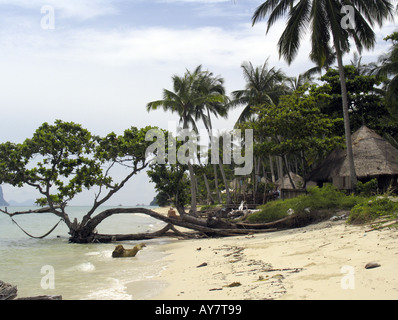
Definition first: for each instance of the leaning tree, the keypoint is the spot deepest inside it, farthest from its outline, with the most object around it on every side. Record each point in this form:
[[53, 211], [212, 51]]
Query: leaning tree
[[63, 160]]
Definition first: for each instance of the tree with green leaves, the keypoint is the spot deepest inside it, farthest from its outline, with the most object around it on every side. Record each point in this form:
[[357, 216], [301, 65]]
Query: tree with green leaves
[[332, 23], [171, 183], [296, 127], [366, 103], [62, 160]]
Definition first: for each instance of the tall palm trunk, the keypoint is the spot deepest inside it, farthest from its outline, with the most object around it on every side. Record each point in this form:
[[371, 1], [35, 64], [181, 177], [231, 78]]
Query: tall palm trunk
[[210, 199], [347, 129], [216, 183], [193, 209]]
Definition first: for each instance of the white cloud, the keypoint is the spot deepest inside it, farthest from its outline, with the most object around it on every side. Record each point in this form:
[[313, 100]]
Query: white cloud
[[81, 9]]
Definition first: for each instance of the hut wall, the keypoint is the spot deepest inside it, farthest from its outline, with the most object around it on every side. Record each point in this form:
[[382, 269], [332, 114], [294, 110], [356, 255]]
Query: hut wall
[[292, 193]]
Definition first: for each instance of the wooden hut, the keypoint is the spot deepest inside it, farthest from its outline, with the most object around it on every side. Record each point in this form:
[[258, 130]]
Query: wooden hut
[[284, 183], [374, 157]]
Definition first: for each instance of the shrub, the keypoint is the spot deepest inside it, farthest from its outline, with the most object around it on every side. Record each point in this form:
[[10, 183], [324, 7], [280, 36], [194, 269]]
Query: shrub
[[273, 211], [372, 209], [318, 199], [368, 188]]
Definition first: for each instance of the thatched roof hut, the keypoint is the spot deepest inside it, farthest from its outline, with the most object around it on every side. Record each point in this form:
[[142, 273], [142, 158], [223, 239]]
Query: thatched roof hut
[[374, 157], [286, 184]]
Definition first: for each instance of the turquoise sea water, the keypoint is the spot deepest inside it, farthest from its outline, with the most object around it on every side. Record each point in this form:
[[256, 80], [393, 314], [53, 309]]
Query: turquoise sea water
[[53, 266]]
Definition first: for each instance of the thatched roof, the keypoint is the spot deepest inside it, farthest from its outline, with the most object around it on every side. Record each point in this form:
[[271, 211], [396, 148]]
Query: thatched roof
[[298, 181], [373, 157]]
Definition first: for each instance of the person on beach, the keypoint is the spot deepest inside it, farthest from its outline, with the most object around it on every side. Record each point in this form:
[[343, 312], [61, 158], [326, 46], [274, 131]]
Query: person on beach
[[171, 213]]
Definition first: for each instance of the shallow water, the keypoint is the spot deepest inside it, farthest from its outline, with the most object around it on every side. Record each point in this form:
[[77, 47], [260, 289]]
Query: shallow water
[[52, 266]]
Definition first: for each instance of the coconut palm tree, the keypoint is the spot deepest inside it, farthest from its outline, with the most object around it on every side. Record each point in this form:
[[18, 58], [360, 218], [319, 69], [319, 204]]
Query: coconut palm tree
[[191, 93], [263, 87], [330, 26], [217, 105]]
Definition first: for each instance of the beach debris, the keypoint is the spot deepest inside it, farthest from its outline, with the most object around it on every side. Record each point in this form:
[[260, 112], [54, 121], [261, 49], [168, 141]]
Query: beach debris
[[204, 264], [121, 252], [198, 249], [290, 212], [262, 278], [215, 289], [234, 253], [372, 265], [243, 210], [9, 292], [324, 245], [339, 217], [234, 284], [278, 277]]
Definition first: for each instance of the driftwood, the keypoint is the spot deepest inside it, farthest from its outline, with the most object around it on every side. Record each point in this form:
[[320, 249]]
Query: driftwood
[[164, 232], [42, 298], [9, 292]]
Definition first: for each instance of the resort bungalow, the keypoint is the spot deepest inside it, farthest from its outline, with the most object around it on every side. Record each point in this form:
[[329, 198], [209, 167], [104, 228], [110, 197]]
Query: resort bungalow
[[374, 157]]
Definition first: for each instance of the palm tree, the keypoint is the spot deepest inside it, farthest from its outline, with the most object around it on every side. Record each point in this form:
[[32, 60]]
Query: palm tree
[[388, 70], [190, 94], [263, 87], [324, 19], [216, 104]]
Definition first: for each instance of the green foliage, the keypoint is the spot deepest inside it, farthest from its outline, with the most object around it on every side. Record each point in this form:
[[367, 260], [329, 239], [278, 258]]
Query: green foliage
[[366, 103], [318, 199], [372, 209], [171, 182], [295, 127], [368, 188], [62, 159], [272, 211]]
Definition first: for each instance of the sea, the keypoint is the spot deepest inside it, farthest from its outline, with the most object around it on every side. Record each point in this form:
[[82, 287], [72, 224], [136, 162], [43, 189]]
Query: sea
[[53, 266]]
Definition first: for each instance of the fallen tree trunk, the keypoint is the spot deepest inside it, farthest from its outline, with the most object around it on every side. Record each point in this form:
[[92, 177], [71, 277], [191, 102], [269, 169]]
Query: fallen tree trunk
[[164, 232], [208, 227]]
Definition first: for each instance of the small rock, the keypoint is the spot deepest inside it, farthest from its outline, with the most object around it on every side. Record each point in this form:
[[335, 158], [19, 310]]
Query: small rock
[[234, 284], [204, 264], [278, 277], [372, 265]]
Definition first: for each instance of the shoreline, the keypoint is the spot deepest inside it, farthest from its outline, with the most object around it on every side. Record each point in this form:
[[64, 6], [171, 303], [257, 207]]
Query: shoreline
[[321, 261]]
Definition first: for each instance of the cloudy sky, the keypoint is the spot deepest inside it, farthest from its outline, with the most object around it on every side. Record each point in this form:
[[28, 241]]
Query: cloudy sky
[[99, 62]]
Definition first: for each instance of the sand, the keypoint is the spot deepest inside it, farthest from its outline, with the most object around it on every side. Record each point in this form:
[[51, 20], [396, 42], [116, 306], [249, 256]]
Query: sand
[[321, 261]]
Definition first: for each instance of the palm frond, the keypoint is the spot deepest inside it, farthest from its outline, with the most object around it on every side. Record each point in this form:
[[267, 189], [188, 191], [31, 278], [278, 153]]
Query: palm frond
[[299, 19]]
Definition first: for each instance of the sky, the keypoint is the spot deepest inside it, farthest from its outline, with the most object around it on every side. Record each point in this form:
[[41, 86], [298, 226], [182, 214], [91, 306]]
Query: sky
[[99, 62]]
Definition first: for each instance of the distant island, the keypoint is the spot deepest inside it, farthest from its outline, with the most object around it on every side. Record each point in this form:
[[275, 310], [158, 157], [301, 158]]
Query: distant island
[[3, 203]]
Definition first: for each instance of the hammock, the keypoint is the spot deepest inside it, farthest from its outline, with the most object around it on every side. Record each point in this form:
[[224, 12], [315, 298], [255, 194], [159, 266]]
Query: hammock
[[42, 237]]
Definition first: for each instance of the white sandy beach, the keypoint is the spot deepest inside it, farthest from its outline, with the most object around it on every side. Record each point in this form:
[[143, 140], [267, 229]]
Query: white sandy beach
[[321, 261]]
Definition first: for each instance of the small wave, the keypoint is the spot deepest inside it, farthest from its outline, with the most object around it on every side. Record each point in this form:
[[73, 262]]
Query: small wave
[[95, 253], [116, 291], [84, 267]]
